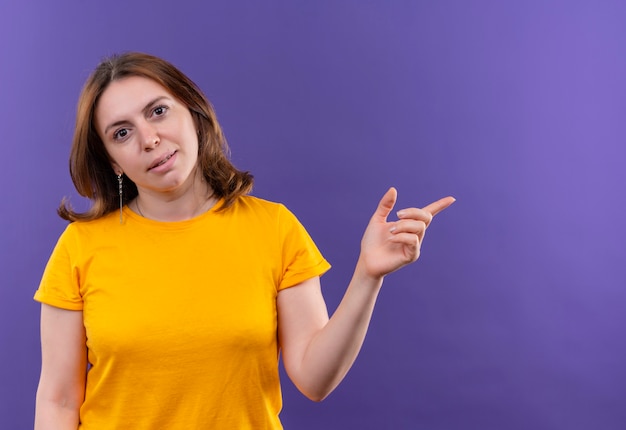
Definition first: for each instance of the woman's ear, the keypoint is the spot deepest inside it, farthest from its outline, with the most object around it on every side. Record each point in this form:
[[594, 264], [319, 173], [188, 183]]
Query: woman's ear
[[116, 168]]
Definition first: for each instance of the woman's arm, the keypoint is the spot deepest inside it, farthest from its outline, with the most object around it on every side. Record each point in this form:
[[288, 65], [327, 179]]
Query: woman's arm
[[61, 388], [318, 352]]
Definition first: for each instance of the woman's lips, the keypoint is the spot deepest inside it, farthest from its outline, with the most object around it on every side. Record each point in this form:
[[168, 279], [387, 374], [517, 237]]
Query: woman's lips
[[163, 163]]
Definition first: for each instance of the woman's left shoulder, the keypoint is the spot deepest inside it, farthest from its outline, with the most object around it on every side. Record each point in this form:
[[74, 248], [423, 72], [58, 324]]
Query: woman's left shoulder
[[257, 204]]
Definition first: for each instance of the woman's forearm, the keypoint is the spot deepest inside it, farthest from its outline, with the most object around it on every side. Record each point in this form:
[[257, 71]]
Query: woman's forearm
[[317, 351]]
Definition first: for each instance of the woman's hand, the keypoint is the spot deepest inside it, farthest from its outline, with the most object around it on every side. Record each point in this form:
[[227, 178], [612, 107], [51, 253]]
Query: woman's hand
[[388, 246]]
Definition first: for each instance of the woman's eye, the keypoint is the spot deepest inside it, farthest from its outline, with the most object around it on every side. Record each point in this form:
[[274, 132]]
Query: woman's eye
[[159, 110], [120, 134]]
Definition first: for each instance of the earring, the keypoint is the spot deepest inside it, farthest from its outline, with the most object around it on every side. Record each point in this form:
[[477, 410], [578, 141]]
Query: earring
[[119, 183]]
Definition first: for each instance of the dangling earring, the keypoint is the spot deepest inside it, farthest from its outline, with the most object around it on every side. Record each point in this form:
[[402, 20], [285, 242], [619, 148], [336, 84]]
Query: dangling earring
[[119, 183]]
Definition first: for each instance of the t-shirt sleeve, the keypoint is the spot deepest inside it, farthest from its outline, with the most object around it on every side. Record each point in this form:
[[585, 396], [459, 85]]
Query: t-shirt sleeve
[[59, 285], [301, 258]]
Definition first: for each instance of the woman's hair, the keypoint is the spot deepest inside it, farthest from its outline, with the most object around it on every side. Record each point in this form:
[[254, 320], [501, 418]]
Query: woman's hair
[[90, 165]]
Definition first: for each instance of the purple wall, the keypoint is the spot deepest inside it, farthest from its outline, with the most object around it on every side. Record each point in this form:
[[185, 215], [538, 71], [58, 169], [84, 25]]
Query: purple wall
[[513, 318]]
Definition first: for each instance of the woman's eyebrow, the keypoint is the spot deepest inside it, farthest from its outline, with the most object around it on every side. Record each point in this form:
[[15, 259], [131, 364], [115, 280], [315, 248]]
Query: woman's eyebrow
[[145, 111]]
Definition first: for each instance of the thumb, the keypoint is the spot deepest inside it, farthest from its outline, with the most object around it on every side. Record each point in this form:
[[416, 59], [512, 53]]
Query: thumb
[[385, 205]]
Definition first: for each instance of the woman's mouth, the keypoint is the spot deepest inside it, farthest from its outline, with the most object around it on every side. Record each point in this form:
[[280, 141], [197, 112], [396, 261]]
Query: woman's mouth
[[162, 161]]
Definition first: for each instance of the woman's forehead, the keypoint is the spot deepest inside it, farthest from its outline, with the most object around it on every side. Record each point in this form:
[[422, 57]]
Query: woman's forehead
[[128, 96]]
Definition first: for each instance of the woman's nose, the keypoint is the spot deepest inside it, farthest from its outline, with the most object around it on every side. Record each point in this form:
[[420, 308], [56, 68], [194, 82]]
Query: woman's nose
[[149, 137]]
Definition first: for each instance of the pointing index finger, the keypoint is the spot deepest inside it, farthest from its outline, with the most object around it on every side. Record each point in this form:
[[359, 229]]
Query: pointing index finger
[[436, 207]]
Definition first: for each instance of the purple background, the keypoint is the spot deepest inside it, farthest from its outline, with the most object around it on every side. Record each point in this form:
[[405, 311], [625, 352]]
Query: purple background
[[514, 316]]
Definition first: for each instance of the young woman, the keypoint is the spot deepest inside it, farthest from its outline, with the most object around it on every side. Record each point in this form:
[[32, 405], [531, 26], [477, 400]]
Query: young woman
[[165, 305]]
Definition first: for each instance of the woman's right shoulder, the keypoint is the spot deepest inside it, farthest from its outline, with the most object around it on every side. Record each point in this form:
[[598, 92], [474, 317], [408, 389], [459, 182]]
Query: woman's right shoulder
[[87, 229]]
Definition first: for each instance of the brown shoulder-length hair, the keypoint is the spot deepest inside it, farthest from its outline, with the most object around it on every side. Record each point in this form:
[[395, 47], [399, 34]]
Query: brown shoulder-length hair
[[90, 165]]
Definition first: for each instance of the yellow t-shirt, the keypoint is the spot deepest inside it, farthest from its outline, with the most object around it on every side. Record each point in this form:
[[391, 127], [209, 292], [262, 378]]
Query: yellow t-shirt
[[181, 316]]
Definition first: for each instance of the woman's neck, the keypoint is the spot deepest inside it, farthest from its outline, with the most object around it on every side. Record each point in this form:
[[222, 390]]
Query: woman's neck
[[179, 205]]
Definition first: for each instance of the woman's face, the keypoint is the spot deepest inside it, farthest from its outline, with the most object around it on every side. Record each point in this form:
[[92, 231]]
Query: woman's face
[[149, 135]]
